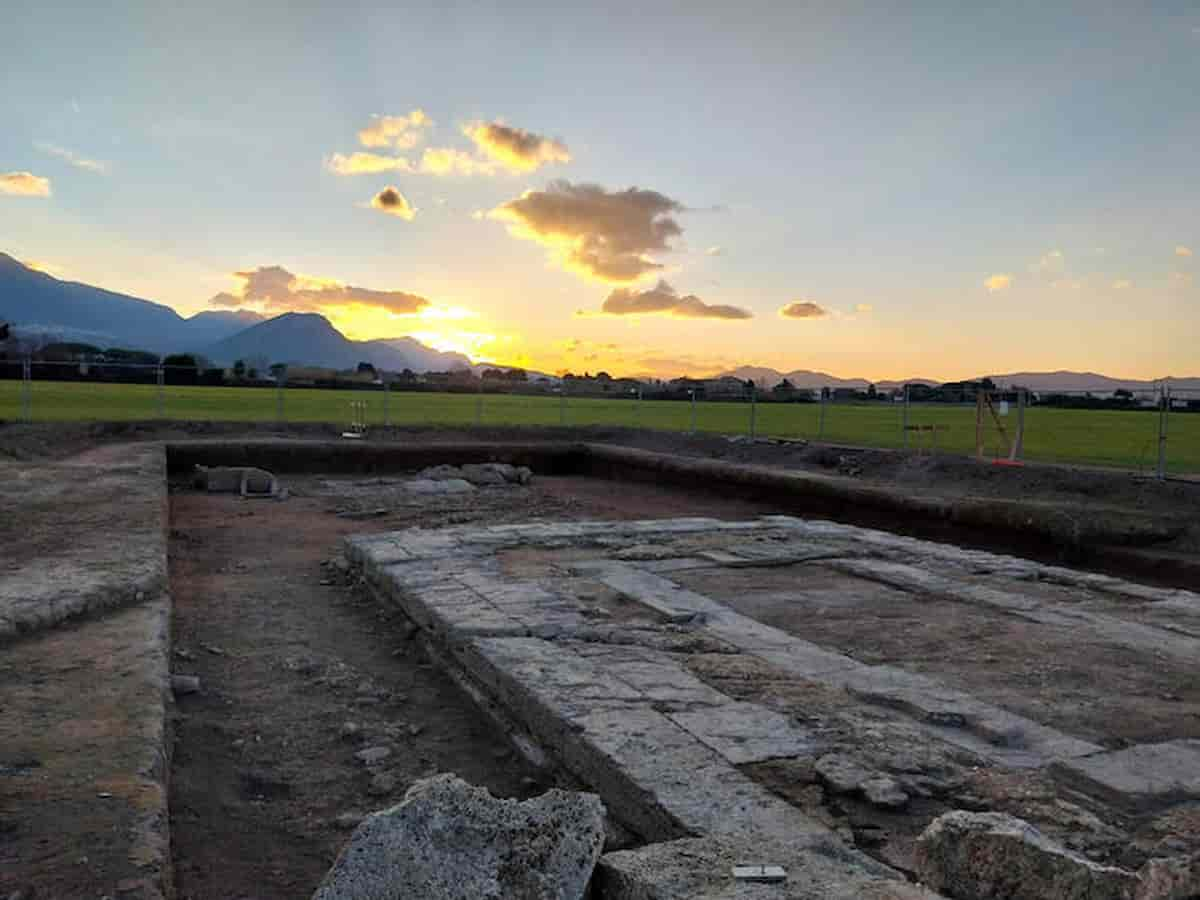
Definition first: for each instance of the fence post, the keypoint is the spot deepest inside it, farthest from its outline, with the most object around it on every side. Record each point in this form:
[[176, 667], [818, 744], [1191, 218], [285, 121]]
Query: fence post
[[637, 406], [904, 418], [27, 390], [1164, 406], [753, 413], [162, 394], [279, 396], [387, 404], [562, 406], [692, 394], [821, 417], [1018, 449], [479, 408]]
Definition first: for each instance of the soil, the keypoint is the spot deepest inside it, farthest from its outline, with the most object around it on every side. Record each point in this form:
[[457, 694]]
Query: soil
[[265, 786], [1065, 677]]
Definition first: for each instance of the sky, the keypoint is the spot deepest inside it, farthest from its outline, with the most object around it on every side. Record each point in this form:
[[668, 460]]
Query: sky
[[870, 190]]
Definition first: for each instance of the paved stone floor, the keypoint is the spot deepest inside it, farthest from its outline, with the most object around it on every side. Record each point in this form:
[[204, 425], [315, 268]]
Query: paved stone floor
[[782, 691]]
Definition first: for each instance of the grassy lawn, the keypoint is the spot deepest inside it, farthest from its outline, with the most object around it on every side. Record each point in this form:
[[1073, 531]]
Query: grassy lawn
[[1094, 437]]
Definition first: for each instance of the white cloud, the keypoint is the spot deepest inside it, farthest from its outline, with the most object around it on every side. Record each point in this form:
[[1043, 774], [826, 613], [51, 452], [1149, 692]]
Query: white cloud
[[79, 162]]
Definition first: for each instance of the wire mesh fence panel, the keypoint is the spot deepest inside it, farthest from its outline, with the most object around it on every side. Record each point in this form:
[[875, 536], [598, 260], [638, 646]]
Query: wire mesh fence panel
[[226, 404], [10, 398], [787, 420], [76, 401]]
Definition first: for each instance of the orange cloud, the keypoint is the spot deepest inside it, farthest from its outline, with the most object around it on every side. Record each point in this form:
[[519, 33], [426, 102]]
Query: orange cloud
[[275, 289], [515, 148], [663, 299], [998, 283], [1183, 251], [392, 202], [401, 132], [802, 309], [24, 184], [603, 235]]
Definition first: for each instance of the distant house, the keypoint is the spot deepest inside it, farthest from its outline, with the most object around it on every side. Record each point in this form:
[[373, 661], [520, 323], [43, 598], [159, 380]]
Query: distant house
[[725, 388]]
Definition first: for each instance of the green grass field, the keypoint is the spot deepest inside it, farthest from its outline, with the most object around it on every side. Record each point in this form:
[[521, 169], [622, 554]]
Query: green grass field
[[1092, 437]]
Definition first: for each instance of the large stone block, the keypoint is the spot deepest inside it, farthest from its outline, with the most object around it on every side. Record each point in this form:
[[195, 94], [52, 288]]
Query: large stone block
[[449, 840], [993, 856]]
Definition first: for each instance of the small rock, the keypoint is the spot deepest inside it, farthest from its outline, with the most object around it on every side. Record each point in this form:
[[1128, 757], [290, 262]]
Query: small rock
[[414, 730], [1177, 878], [841, 773], [182, 685], [349, 819], [341, 565], [381, 785], [524, 474], [350, 731], [214, 650], [181, 653], [884, 792], [407, 630], [993, 855], [372, 756]]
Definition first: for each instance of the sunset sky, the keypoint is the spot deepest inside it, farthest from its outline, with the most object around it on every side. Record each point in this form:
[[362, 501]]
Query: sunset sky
[[650, 189]]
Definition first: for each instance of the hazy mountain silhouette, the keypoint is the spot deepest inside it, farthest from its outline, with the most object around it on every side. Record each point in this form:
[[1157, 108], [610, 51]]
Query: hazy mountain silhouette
[[1035, 381], [37, 302], [310, 339], [34, 302]]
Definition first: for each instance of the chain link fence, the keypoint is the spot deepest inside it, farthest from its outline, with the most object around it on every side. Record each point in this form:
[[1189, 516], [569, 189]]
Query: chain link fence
[[1148, 431]]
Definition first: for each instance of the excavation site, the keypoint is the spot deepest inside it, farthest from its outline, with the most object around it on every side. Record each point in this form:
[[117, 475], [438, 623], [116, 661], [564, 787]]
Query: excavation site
[[511, 663]]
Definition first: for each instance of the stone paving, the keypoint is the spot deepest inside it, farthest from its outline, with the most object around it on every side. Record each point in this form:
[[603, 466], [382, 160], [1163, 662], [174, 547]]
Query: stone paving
[[583, 637]]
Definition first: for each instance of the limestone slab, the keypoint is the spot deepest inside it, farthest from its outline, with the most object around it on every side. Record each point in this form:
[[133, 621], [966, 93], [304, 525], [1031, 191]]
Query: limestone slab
[[1144, 776], [745, 732]]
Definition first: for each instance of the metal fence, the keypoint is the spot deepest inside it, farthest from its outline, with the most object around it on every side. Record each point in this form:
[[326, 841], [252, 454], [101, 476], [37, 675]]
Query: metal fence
[[1152, 431]]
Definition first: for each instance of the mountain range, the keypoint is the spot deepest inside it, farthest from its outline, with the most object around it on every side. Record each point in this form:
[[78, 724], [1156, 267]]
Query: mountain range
[[1035, 381], [37, 303]]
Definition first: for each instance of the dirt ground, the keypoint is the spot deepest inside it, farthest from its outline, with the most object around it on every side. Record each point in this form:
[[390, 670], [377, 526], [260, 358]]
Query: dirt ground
[[1060, 676], [301, 670]]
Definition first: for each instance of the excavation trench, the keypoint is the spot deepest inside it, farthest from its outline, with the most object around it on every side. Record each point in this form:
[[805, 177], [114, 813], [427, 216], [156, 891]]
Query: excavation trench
[[301, 670]]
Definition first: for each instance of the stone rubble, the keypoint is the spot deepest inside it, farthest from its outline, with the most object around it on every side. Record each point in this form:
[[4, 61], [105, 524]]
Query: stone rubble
[[988, 855], [449, 840]]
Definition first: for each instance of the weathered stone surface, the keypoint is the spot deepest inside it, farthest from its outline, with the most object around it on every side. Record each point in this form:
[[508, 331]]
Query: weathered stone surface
[[841, 773], [885, 792], [439, 486], [372, 756], [449, 840], [993, 855], [1140, 777], [702, 869], [94, 568], [1176, 878], [745, 732]]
